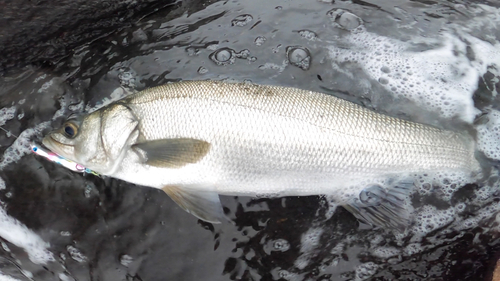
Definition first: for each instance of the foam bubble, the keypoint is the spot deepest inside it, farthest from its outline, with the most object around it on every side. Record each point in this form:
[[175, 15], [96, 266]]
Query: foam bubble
[[18, 234], [75, 254], [21, 145], [385, 252], [279, 273], [310, 240], [430, 219], [366, 270], [7, 278], [441, 184], [126, 260], [488, 135], [442, 79], [6, 114], [412, 249]]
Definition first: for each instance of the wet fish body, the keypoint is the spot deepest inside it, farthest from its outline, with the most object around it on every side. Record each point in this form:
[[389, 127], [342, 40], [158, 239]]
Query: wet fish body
[[198, 139]]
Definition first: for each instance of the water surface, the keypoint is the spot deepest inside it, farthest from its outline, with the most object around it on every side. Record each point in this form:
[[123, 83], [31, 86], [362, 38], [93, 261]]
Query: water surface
[[434, 62]]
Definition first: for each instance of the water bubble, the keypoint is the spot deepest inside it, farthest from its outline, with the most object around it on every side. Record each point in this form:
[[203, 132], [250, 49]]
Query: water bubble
[[127, 79], [76, 254], [87, 191], [192, 51], [345, 19], [241, 20], [260, 40], [383, 81], [279, 8], [223, 56], [366, 270], [307, 34], [299, 57], [202, 70], [372, 195], [385, 69], [284, 274], [277, 48], [243, 54], [126, 260], [5, 247], [281, 245]]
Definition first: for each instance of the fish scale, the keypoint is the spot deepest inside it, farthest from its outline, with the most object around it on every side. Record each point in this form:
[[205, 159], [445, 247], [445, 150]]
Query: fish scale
[[373, 143], [256, 140]]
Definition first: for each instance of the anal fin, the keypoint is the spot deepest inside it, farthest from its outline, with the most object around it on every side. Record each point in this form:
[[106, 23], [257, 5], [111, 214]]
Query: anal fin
[[383, 207], [204, 205]]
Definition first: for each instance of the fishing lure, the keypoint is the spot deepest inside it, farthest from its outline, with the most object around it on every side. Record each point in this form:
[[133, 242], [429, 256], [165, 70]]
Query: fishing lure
[[51, 156]]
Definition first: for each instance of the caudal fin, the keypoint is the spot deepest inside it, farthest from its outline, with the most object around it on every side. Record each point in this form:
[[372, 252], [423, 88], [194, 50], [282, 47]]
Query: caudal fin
[[385, 207]]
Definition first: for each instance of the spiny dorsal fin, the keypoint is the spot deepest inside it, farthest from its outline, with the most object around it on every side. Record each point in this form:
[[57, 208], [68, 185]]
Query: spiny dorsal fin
[[173, 153]]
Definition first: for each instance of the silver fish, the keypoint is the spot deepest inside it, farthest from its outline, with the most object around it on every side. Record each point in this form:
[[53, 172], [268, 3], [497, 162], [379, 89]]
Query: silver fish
[[198, 139]]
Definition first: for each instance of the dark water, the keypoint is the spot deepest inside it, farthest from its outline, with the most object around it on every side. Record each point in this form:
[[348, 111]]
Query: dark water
[[420, 60]]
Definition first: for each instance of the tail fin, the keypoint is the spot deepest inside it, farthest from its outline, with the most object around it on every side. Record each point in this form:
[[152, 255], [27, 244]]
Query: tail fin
[[385, 207]]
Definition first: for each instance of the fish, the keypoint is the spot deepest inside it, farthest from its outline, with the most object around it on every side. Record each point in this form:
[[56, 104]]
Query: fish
[[197, 140]]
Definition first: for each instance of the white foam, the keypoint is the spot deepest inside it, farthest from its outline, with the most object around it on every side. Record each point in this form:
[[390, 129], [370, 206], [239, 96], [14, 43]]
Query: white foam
[[430, 219], [441, 79], [441, 184], [482, 215], [7, 278], [11, 229], [6, 114], [21, 145], [76, 254], [310, 240], [45, 86], [18, 234], [126, 260], [385, 252], [488, 135], [365, 270]]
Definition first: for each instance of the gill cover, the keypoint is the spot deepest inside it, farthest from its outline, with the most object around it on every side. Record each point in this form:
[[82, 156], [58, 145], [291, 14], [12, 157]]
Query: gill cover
[[118, 129]]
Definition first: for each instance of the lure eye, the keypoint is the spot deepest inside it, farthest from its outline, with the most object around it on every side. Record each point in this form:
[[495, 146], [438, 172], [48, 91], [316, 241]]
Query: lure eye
[[70, 130]]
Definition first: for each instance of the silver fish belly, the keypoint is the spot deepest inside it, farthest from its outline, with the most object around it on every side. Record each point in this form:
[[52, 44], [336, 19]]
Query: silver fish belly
[[245, 139]]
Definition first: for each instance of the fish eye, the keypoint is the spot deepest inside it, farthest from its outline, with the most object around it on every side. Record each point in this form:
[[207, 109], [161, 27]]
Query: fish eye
[[70, 130]]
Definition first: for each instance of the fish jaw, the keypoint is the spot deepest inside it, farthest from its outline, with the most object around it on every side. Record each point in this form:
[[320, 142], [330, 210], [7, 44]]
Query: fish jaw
[[52, 143]]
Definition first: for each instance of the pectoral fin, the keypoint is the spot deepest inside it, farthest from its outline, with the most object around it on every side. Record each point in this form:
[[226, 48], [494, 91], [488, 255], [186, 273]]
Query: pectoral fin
[[204, 205], [381, 207], [172, 153]]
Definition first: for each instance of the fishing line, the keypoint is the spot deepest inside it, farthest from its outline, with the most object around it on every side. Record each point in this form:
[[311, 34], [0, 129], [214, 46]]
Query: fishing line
[[9, 133]]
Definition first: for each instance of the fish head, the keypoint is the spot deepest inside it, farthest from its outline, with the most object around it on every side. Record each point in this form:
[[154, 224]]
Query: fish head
[[97, 140]]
